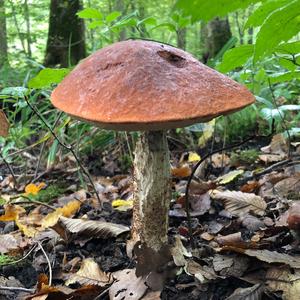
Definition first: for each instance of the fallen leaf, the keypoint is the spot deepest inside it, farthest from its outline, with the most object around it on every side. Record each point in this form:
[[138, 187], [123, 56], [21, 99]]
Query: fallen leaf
[[89, 228], [254, 292], [12, 212], [278, 145], [67, 211], [122, 205], [193, 157], [239, 203], [220, 160], [286, 280], [179, 252], [229, 176], [4, 125], [7, 243], [33, 189], [181, 172], [202, 273], [89, 274], [127, 286]]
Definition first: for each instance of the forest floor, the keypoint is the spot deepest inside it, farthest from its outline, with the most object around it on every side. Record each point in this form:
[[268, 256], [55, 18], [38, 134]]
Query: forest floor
[[58, 242]]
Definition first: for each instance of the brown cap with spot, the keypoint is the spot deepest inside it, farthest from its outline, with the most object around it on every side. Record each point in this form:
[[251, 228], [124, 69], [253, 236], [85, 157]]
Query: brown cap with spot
[[145, 85]]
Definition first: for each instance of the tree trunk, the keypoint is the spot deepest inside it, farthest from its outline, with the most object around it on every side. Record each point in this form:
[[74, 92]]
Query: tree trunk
[[65, 45], [181, 38], [152, 190], [28, 33], [215, 34], [3, 36], [119, 6]]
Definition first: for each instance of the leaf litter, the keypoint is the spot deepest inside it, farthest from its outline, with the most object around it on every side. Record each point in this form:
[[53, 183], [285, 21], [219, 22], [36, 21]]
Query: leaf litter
[[246, 234]]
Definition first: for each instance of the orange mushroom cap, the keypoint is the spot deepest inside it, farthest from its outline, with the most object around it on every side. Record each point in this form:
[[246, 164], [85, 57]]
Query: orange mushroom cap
[[145, 85]]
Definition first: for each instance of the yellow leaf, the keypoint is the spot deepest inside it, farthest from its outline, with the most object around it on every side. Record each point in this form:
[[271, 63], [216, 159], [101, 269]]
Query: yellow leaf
[[12, 212], [120, 202], [183, 171], [67, 211], [71, 208], [33, 189], [194, 157], [27, 230], [207, 133], [122, 205], [229, 176]]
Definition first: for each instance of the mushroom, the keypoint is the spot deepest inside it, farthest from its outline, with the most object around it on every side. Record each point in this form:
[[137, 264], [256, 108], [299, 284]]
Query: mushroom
[[150, 87]]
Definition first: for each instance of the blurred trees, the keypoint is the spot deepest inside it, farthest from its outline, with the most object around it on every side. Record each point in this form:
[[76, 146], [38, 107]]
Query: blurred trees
[[3, 36], [66, 42]]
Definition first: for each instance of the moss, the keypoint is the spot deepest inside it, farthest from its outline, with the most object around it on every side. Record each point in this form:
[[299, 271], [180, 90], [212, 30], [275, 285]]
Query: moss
[[246, 157]]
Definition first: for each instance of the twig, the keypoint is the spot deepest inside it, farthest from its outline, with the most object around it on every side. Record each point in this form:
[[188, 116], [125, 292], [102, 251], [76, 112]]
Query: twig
[[68, 147], [9, 168], [281, 117], [29, 201], [48, 261], [187, 202], [287, 162], [43, 147], [22, 258], [16, 288]]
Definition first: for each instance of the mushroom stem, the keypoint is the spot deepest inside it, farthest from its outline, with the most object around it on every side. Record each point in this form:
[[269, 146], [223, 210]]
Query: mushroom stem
[[152, 190]]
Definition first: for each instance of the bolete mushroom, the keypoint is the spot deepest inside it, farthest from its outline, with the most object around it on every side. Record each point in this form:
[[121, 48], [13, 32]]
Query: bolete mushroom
[[150, 87]]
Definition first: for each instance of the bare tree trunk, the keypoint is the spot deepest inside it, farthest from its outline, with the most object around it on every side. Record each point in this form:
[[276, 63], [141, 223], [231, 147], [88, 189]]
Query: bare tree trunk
[[28, 33], [3, 36], [66, 43], [215, 34], [17, 26], [181, 38], [119, 6]]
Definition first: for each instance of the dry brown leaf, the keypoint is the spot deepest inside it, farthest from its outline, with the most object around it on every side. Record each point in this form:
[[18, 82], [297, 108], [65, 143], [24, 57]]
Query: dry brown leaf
[[89, 274], [286, 280], [7, 243], [181, 172], [4, 125], [278, 145], [220, 160], [12, 212], [88, 228], [179, 252], [239, 203], [202, 273], [269, 256], [251, 293], [127, 286]]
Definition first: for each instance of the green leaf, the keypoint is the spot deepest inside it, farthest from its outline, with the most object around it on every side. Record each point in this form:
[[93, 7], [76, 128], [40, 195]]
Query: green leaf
[[263, 11], [206, 10], [95, 24], [281, 77], [289, 48], [168, 25], [90, 13], [46, 77], [113, 16], [16, 91], [266, 102], [289, 107], [280, 26], [148, 21], [235, 57]]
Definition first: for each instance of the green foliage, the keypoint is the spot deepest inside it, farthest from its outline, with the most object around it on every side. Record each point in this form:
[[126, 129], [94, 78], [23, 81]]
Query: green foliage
[[47, 77], [6, 259], [206, 10], [236, 57], [280, 26], [244, 157], [50, 193]]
